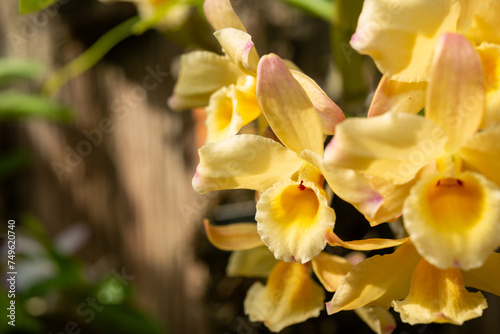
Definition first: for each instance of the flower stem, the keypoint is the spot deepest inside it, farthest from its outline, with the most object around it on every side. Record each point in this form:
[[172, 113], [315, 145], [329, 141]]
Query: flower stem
[[90, 57]]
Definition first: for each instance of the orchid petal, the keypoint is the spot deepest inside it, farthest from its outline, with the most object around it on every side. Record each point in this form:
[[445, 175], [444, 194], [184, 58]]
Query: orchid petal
[[329, 113], [397, 39], [223, 121], [392, 95], [330, 270], [393, 196], [292, 218], [234, 236], [220, 14], [363, 245], [492, 109], [393, 146], [255, 262], [484, 26], [481, 153], [439, 296], [289, 297], [229, 109], [486, 277], [244, 99], [243, 162], [453, 221], [376, 281], [286, 106], [239, 47], [456, 91], [201, 74], [349, 185], [490, 59], [378, 319]]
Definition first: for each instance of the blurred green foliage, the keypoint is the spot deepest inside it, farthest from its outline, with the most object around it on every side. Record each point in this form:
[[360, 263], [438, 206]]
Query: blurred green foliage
[[64, 297], [30, 6]]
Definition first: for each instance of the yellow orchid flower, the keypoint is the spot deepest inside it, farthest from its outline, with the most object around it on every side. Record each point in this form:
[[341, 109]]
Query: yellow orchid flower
[[420, 292], [293, 210], [226, 84], [401, 38], [444, 170], [290, 295]]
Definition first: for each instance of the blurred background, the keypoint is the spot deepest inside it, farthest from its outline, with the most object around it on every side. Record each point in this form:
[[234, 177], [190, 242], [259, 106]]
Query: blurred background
[[97, 174]]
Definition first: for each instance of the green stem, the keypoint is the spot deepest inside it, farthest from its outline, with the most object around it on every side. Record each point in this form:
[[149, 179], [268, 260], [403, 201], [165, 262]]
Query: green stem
[[90, 57], [324, 9], [348, 61]]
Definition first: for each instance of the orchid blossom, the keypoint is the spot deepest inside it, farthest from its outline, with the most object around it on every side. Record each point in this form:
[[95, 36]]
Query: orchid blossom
[[293, 209], [420, 292], [290, 295], [226, 84], [401, 38], [444, 169]]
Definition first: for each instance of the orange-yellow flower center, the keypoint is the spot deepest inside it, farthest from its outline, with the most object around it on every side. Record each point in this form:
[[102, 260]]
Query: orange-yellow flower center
[[298, 205], [454, 204]]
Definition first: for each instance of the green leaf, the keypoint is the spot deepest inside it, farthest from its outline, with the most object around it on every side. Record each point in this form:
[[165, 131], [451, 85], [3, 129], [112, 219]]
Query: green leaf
[[11, 162], [30, 6], [125, 319], [348, 61], [323, 9], [15, 105], [14, 69]]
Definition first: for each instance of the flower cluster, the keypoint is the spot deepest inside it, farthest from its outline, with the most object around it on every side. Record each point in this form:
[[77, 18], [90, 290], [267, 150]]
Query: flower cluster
[[437, 171]]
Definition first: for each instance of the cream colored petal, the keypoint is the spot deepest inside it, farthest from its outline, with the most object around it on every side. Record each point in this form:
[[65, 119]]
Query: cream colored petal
[[490, 58], [286, 106], [223, 121], [349, 185], [492, 109], [393, 146], [233, 236], [255, 262], [456, 91], [292, 217], [469, 8], [201, 74], [486, 277], [393, 197], [362, 245], [484, 26], [392, 95], [330, 270], [229, 109], [401, 37], [238, 45], [243, 162], [289, 297], [244, 99], [439, 296], [453, 222], [378, 319], [220, 14], [329, 113], [376, 281], [481, 153]]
